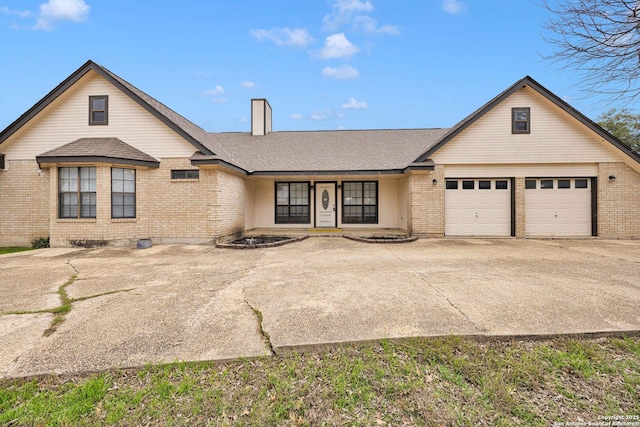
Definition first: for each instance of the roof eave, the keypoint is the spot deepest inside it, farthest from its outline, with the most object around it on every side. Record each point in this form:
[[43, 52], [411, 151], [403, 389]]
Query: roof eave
[[96, 159], [329, 172], [218, 162]]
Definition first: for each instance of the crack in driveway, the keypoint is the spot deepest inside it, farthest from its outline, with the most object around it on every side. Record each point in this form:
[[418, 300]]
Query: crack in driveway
[[438, 291]]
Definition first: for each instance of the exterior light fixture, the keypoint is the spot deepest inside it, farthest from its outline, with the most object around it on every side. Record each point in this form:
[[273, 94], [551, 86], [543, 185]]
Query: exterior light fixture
[[612, 178]]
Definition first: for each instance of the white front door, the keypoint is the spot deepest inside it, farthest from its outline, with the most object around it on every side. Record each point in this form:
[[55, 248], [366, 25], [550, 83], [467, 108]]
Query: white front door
[[325, 204]]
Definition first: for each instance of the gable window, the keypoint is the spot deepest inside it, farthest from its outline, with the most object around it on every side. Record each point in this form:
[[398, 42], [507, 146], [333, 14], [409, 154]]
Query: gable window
[[521, 120], [123, 193], [185, 174], [98, 110], [77, 192], [292, 203], [360, 202]]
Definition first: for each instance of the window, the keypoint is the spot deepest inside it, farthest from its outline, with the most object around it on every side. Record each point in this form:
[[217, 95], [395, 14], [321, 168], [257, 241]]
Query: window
[[521, 120], [185, 174], [581, 183], [77, 192], [546, 183], [468, 185], [502, 184], [123, 193], [452, 185], [360, 202], [98, 110], [564, 183], [484, 185], [292, 203], [530, 184]]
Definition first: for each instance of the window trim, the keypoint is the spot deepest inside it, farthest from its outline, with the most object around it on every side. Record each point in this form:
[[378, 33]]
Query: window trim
[[106, 110], [135, 197], [276, 219], [78, 193], [514, 121], [377, 204], [176, 172]]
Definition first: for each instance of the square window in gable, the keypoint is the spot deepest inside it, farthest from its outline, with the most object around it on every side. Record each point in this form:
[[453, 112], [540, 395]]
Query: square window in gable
[[521, 120], [99, 110]]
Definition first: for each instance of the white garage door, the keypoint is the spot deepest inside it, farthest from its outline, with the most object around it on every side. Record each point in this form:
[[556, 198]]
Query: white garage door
[[477, 207], [557, 207]]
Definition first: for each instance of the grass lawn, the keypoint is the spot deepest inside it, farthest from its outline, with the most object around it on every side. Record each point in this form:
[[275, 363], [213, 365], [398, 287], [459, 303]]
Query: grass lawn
[[446, 382], [11, 250]]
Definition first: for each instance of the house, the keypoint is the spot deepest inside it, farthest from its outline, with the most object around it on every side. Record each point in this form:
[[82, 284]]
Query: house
[[98, 160]]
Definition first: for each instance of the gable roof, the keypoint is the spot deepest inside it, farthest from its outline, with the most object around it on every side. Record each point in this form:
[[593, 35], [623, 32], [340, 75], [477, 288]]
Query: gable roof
[[109, 150], [198, 137], [530, 82], [326, 152]]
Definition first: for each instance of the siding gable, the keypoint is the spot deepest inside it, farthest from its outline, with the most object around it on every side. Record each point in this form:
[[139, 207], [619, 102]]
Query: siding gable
[[556, 137], [67, 119]]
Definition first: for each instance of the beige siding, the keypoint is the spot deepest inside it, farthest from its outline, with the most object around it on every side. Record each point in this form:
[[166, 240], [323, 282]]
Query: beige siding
[[555, 137], [391, 203], [67, 120], [522, 170], [24, 203]]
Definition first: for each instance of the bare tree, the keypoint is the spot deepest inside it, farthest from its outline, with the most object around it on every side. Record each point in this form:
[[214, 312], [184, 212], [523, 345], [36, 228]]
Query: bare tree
[[600, 38]]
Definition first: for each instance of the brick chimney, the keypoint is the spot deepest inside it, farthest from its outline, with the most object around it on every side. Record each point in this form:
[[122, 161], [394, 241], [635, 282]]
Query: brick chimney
[[260, 117]]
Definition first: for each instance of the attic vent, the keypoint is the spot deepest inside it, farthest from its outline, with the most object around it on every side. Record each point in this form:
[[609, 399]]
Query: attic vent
[[260, 117]]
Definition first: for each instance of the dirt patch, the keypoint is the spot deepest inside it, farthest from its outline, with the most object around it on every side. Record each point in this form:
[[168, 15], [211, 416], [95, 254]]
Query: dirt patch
[[383, 239]]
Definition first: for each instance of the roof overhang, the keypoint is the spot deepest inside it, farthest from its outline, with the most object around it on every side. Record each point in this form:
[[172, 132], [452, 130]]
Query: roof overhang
[[1, 161], [199, 159], [52, 160]]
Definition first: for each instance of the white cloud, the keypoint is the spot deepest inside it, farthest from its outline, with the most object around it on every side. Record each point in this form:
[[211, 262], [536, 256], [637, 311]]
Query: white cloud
[[216, 91], [19, 13], [248, 84], [343, 72], [219, 100], [243, 120], [355, 105], [454, 6], [337, 46], [318, 116], [369, 25], [342, 12], [284, 36], [61, 10], [296, 116]]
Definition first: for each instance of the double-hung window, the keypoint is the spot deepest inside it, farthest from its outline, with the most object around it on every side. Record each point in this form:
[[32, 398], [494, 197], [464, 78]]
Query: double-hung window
[[360, 202], [521, 120], [77, 192], [292, 203], [123, 193], [99, 110]]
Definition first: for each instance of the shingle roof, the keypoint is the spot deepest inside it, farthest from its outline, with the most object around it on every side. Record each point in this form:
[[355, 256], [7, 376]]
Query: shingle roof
[[326, 151], [110, 150]]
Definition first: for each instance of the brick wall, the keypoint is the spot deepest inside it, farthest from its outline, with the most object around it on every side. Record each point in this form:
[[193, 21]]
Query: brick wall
[[520, 206], [618, 201], [227, 209], [426, 203], [24, 203]]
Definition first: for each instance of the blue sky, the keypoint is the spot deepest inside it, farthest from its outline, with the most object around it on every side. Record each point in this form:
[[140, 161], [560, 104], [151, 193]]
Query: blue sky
[[322, 64]]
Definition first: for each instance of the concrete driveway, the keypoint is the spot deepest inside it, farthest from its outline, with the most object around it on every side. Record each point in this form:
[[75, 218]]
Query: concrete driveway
[[167, 303]]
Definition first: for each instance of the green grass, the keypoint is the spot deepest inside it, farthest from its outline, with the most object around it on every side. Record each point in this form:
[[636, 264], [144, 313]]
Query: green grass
[[10, 250], [448, 381]]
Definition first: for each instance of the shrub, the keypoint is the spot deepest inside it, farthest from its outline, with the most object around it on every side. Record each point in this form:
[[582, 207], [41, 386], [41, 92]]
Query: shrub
[[40, 242]]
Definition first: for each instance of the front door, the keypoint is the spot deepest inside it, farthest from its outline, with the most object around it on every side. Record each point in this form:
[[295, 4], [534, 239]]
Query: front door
[[325, 204]]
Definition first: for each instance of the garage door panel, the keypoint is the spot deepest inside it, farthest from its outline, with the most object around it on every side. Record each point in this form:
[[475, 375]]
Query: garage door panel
[[562, 210], [479, 211]]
